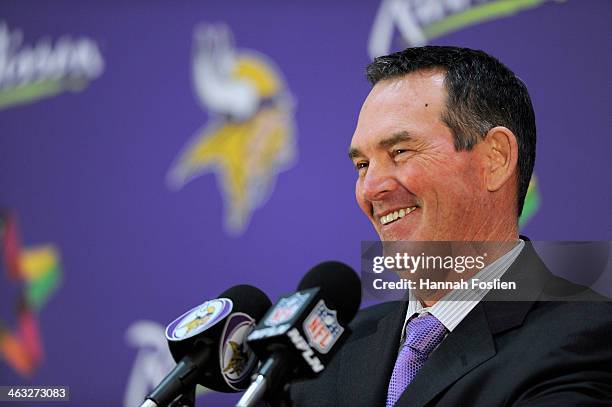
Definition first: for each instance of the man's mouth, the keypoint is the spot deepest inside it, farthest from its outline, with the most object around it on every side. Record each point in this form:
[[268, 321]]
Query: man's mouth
[[393, 216]]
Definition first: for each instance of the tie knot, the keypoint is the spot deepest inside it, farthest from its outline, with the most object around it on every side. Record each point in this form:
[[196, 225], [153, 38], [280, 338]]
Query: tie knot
[[424, 333]]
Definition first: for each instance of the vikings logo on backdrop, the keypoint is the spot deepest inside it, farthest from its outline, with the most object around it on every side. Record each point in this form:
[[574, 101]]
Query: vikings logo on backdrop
[[419, 21], [249, 137], [30, 72]]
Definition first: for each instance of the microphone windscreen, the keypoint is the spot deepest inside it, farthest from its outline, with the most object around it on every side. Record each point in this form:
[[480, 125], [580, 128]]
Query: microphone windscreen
[[339, 284], [248, 299], [212, 337]]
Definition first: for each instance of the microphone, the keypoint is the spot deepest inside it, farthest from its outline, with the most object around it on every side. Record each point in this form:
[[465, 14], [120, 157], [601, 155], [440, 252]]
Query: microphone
[[208, 344], [299, 335]]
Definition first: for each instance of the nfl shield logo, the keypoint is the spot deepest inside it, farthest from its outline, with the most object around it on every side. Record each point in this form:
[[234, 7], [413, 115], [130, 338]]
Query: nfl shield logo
[[286, 309], [322, 328]]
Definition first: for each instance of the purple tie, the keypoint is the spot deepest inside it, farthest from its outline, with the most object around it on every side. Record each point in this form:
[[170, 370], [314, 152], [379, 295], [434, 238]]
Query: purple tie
[[423, 334]]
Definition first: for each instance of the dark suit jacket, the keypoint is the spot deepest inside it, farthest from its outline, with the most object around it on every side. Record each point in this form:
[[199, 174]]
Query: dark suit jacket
[[532, 352]]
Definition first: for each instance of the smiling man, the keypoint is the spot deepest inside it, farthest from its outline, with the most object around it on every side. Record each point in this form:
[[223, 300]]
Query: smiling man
[[444, 149], [440, 166]]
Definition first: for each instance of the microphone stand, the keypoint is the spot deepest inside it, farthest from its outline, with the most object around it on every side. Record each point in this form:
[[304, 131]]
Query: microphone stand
[[186, 399], [184, 374], [267, 380]]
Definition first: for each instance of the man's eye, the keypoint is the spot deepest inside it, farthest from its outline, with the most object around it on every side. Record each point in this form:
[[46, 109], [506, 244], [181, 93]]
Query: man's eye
[[399, 151], [361, 165]]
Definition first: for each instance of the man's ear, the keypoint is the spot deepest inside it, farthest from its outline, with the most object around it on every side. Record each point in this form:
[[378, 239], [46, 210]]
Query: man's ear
[[502, 155]]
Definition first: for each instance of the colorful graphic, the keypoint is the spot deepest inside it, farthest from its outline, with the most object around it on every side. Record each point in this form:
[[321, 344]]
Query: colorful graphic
[[35, 272], [322, 328], [237, 360], [285, 309], [418, 21], [532, 202], [249, 138], [198, 319], [30, 73]]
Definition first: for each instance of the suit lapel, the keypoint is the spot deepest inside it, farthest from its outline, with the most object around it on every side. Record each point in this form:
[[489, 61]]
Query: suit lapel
[[471, 343], [367, 362]]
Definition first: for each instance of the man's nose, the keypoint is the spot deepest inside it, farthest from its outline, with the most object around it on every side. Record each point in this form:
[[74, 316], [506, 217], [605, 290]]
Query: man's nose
[[378, 182]]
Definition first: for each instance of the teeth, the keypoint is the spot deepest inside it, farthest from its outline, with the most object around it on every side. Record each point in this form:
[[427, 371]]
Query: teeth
[[396, 215]]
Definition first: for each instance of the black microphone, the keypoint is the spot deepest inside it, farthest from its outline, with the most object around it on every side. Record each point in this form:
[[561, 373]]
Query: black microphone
[[208, 344], [299, 335]]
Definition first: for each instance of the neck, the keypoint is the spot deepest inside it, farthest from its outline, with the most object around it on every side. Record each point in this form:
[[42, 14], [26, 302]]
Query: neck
[[486, 252], [502, 229]]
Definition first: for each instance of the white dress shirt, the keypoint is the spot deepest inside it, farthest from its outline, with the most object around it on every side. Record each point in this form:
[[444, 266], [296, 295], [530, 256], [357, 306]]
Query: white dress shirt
[[451, 309]]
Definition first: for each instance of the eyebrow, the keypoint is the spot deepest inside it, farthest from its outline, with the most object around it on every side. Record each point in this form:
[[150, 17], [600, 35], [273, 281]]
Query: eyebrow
[[383, 144]]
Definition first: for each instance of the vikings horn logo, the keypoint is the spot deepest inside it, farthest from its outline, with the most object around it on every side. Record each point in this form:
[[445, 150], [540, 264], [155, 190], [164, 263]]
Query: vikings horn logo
[[249, 138], [199, 320], [238, 360]]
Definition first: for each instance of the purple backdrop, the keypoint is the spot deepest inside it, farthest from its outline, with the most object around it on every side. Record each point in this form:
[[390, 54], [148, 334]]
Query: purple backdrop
[[86, 170]]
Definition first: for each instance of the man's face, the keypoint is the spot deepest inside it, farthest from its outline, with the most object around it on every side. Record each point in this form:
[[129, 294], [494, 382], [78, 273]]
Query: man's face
[[412, 184]]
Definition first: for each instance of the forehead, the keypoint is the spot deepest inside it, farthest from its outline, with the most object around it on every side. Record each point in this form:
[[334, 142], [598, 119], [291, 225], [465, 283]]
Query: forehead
[[412, 103]]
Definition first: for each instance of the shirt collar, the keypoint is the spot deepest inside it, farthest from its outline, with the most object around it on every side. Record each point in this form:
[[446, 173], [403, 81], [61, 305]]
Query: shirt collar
[[456, 304]]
